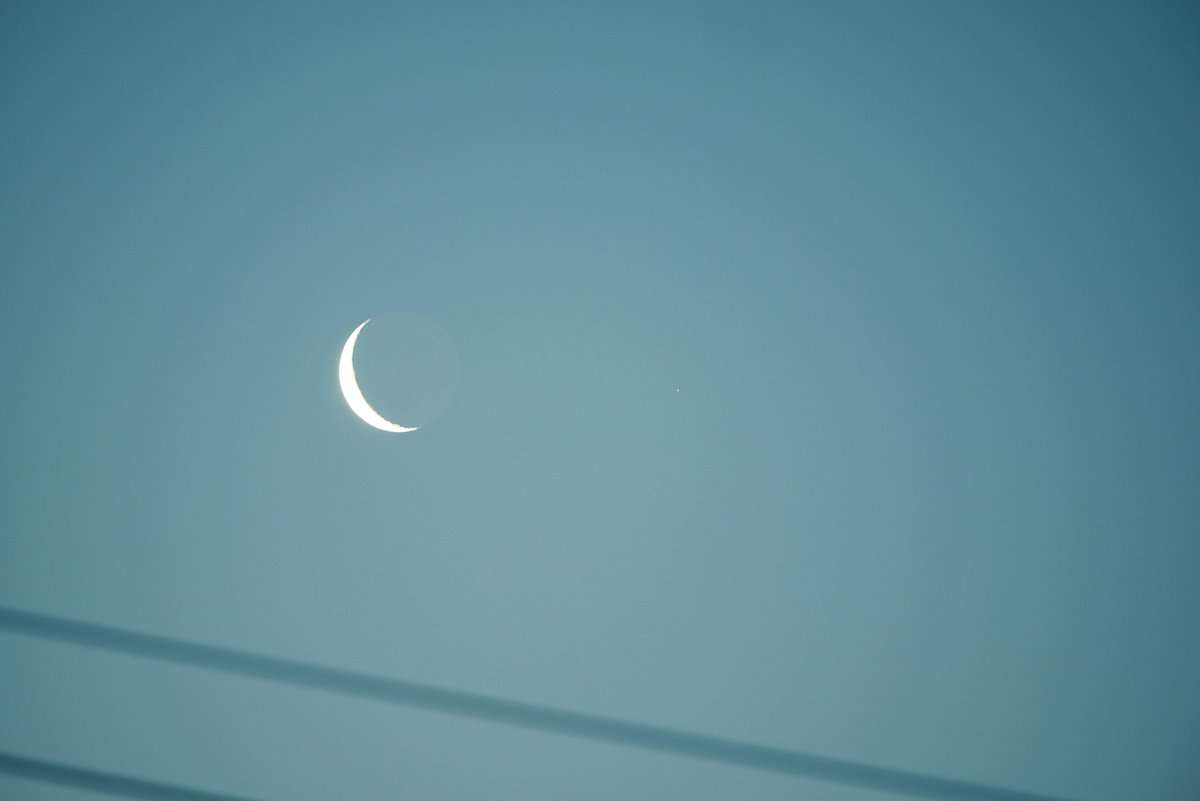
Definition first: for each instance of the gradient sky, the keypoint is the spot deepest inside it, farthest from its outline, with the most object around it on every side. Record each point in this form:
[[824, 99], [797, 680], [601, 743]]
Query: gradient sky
[[829, 380]]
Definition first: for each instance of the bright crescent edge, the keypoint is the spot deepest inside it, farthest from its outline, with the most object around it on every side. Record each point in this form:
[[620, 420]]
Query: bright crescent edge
[[354, 397]]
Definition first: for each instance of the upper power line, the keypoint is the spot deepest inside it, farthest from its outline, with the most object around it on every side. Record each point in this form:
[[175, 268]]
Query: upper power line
[[505, 711]]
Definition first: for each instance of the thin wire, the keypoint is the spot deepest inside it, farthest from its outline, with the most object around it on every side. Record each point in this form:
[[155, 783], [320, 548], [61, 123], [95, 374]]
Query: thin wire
[[102, 782], [508, 712]]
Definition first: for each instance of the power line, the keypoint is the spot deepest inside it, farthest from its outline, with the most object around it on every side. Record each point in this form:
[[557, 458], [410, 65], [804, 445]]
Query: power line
[[99, 781], [505, 711]]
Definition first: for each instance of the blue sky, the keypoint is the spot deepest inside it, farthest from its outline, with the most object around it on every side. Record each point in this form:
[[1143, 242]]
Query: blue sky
[[828, 381]]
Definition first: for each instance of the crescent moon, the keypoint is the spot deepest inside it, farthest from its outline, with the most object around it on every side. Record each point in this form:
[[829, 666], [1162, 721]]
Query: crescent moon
[[354, 397]]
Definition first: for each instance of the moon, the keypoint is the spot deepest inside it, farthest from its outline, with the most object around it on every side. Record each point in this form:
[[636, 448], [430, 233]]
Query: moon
[[354, 397]]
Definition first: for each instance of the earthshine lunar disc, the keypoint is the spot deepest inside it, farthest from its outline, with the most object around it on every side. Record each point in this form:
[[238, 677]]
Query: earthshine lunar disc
[[354, 397]]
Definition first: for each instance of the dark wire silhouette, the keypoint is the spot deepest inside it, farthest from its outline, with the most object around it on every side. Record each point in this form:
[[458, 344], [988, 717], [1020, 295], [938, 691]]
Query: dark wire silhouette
[[504, 711], [102, 782]]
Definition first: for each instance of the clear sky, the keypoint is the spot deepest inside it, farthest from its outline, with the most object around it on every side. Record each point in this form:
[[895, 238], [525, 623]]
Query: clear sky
[[828, 380]]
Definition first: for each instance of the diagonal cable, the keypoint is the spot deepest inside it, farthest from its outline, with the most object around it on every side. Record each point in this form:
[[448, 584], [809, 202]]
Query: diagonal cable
[[508, 712], [101, 781]]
